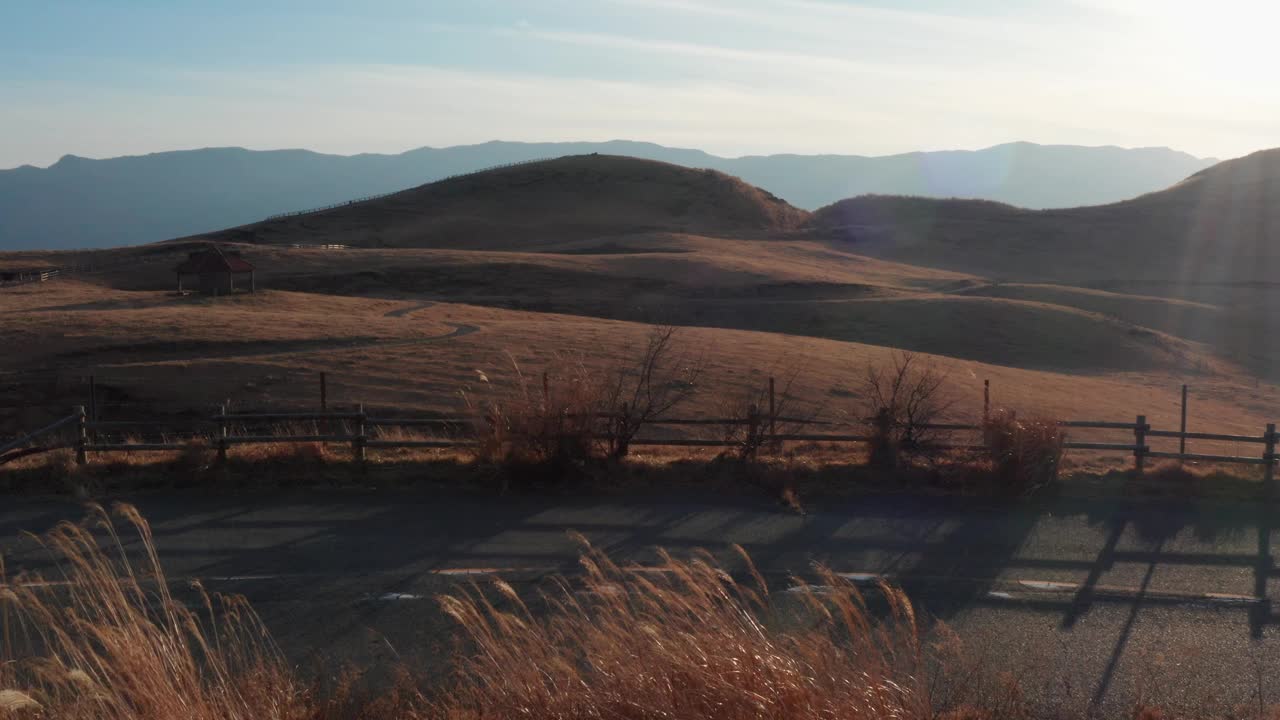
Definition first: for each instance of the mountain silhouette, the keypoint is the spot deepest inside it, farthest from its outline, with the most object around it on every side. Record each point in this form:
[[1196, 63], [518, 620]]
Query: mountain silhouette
[[81, 203]]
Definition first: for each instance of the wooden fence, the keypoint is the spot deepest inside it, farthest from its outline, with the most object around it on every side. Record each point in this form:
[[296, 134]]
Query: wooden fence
[[33, 277], [322, 208], [226, 430]]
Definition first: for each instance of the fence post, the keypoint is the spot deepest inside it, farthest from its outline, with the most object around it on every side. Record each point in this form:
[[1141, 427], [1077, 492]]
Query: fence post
[[986, 401], [1182, 441], [753, 430], [1139, 444], [773, 413], [1270, 457], [358, 441], [618, 428], [325, 426], [93, 399], [82, 437], [222, 434]]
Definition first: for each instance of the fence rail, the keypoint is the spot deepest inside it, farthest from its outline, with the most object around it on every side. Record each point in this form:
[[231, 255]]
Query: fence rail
[[34, 277], [42, 432], [227, 430]]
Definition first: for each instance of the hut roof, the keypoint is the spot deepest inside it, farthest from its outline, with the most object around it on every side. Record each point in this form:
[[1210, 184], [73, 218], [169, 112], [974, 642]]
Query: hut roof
[[212, 260]]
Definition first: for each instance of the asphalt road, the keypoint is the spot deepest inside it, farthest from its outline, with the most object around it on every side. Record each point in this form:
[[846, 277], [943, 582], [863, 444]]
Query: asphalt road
[[1092, 604]]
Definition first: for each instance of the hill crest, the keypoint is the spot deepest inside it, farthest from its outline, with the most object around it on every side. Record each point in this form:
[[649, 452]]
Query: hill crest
[[543, 202]]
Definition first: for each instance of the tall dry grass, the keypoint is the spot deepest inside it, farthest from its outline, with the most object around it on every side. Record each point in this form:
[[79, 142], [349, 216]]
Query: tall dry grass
[[1023, 454], [543, 420], [689, 642], [106, 640], [109, 641]]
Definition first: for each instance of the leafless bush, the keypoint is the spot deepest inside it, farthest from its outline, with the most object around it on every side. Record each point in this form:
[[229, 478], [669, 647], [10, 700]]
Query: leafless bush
[[660, 380], [552, 421], [1024, 454], [574, 414], [901, 401], [762, 423], [196, 454]]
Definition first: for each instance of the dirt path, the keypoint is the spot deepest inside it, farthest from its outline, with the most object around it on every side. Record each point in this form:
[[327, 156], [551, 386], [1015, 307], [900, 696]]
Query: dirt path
[[401, 312], [459, 330]]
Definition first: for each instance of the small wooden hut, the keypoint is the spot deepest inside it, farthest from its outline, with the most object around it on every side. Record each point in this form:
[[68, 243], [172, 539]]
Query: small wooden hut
[[215, 272]]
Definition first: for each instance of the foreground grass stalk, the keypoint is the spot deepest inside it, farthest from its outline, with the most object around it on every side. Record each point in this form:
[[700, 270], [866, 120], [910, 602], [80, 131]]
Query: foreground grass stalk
[[688, 642], [106, 639]]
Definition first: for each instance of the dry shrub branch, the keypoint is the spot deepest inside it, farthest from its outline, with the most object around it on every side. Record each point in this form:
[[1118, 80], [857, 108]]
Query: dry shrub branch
[[570, 415], [1024, 454], [900, 402], [662, 379]]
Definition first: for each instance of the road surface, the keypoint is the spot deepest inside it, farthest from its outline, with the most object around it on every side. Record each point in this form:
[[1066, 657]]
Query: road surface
[[1091, 603]]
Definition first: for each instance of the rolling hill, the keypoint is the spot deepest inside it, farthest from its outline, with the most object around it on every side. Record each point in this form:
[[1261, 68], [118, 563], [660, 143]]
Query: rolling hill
[[1218, 229], [85, 203], [575, 257], [541, 203]]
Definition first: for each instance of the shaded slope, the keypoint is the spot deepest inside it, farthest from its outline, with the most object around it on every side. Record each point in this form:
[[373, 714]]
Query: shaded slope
[[1191, 320], [1219, 227], [540, 203]]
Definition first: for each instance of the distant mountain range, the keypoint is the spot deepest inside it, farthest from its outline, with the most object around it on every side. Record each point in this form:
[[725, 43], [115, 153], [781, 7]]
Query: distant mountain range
[[81, 203]]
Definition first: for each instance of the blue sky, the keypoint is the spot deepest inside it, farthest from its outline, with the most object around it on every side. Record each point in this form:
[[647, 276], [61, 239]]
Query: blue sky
[[110, 77]]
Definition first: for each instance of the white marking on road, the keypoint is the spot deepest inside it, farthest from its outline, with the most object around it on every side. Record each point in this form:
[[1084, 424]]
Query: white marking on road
[[862, 577], [999, 595], [398, 596], [1229, 599], [1049, 585]]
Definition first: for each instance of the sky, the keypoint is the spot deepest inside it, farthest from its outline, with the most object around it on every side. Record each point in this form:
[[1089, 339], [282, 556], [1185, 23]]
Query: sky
[[100, 78]]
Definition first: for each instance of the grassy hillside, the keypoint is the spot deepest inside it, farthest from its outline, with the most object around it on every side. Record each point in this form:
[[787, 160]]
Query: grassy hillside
[[797, 288], [1218, 229], [154, 353], [576, 258], [525, 206]]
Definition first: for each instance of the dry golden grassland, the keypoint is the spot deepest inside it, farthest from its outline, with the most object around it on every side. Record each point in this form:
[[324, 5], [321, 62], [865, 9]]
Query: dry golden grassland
[[157, 352]]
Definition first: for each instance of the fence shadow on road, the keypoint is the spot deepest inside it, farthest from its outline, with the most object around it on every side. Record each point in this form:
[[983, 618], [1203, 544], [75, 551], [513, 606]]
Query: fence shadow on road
[[353, 542]]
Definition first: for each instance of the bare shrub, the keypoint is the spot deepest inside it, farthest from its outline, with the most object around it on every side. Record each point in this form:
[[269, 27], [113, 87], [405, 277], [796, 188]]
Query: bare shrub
[[1024, 454], [659, 380], [196, 454], [751, 409], [549, 422], [61, 464], [310, 453], [900, 402], [573, 415]]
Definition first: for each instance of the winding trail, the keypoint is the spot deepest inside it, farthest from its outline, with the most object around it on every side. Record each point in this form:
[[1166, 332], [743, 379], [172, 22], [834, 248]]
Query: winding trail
[[401, 312], [459, 330]]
